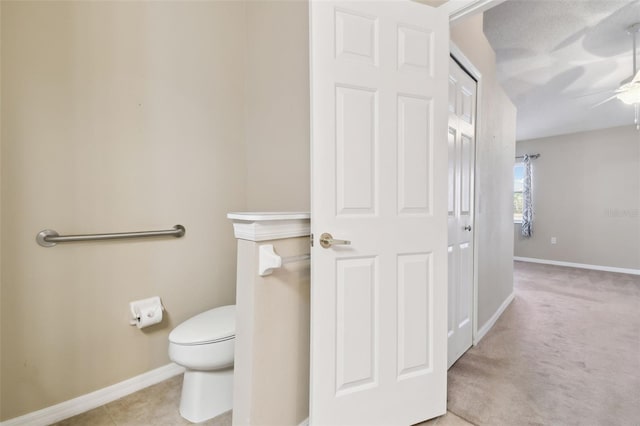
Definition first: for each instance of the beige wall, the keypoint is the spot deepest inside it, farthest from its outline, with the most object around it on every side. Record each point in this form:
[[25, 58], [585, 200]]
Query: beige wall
[[277, 105], [272, 337], [116, 116], [586, 193], [494, 161]]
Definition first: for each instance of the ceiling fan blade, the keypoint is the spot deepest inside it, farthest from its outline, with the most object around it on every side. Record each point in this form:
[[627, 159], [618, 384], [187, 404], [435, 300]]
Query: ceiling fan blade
[[605, 101], [599, 92], [570, 40]]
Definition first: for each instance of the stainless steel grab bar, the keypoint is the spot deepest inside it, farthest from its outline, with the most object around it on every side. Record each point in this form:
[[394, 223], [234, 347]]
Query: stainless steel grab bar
[[49, 237]]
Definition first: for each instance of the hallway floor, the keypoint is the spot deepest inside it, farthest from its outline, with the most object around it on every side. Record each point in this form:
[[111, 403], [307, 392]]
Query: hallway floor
[[565, 352]]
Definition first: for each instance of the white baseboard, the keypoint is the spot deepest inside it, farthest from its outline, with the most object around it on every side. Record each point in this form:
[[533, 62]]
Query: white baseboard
[[579, 265], [490, 323], [92, 400]]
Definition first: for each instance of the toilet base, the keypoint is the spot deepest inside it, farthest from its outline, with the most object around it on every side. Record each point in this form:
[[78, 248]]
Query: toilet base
[[206, 394]]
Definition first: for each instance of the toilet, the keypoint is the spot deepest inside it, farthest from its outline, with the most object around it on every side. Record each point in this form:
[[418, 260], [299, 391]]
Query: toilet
[[204, 345]]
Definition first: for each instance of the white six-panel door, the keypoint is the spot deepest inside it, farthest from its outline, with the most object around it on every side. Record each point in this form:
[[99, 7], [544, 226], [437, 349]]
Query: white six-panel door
[[379, 73], [462, 113]]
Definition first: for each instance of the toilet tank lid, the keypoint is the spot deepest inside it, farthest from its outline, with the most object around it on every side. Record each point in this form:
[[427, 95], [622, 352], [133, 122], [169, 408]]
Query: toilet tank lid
[[208, 327]]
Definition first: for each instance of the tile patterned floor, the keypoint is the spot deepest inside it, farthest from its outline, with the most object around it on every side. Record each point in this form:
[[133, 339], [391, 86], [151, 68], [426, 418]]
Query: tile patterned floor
[[449, 419], [158, 406]]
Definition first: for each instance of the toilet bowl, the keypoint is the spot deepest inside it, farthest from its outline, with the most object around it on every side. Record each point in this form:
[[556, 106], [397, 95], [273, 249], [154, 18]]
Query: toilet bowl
[[204, 345]]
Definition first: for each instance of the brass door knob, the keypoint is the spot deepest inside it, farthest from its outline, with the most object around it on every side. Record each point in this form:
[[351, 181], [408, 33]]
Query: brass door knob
[[327, 240]]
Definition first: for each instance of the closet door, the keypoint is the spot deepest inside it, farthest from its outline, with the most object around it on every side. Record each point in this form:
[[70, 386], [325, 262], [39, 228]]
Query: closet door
[[462, 121]]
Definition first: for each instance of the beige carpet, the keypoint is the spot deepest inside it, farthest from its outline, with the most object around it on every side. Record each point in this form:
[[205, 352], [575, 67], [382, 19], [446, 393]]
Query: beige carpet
[[565, 352]]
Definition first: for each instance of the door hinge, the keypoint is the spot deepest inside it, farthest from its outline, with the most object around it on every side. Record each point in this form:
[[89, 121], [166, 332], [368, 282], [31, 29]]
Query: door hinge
[[311, 240]]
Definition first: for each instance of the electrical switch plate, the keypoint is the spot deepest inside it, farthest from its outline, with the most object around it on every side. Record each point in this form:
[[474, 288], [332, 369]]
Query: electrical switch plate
[[553, 240]]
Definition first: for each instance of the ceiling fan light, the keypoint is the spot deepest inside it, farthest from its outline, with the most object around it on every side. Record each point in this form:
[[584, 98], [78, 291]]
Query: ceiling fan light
[[630, 96]]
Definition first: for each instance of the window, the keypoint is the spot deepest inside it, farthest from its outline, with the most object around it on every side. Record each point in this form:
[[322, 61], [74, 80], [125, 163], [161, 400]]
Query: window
[[518, 177]]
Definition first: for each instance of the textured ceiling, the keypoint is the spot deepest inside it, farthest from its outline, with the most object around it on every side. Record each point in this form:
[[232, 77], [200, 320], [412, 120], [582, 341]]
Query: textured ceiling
[[556, 59]]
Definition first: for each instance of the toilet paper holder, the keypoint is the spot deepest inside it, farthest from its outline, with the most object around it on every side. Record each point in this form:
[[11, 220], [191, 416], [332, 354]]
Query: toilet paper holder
[[146, 312]]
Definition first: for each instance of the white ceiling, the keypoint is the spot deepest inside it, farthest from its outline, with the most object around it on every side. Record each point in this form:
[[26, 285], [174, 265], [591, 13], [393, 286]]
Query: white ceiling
[[558, 58]]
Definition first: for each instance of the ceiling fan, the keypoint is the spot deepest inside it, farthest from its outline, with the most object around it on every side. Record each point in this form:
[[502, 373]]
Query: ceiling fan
[[629, 91]]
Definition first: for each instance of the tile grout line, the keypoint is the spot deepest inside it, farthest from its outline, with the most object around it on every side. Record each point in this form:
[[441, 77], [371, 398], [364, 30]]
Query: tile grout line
[[468, 421], [109, 414]]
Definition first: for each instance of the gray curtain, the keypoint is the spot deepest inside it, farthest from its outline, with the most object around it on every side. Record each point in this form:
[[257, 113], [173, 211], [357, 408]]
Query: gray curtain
[[527, 208]]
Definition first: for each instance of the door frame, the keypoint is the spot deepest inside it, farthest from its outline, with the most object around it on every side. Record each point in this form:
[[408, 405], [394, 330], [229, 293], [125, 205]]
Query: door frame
[[459, 9], [475, 73]]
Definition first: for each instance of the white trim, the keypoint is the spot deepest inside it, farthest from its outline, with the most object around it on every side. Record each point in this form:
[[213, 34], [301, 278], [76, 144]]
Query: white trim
[[579, 265], [270, 226], [266, 216], [462, 59], [92, 400], [459, 9], [491, 322], [305, 422]]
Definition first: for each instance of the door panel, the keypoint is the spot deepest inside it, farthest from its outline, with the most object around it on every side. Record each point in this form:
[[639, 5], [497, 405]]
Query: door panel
[[414, 122], [357, 312], [465, 293], [451, 296], [379, 145], [462, 105], [414, 352], [355, 143]]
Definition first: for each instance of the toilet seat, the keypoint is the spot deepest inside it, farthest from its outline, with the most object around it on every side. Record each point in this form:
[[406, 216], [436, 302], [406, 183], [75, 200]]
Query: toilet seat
[[212, 326]]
